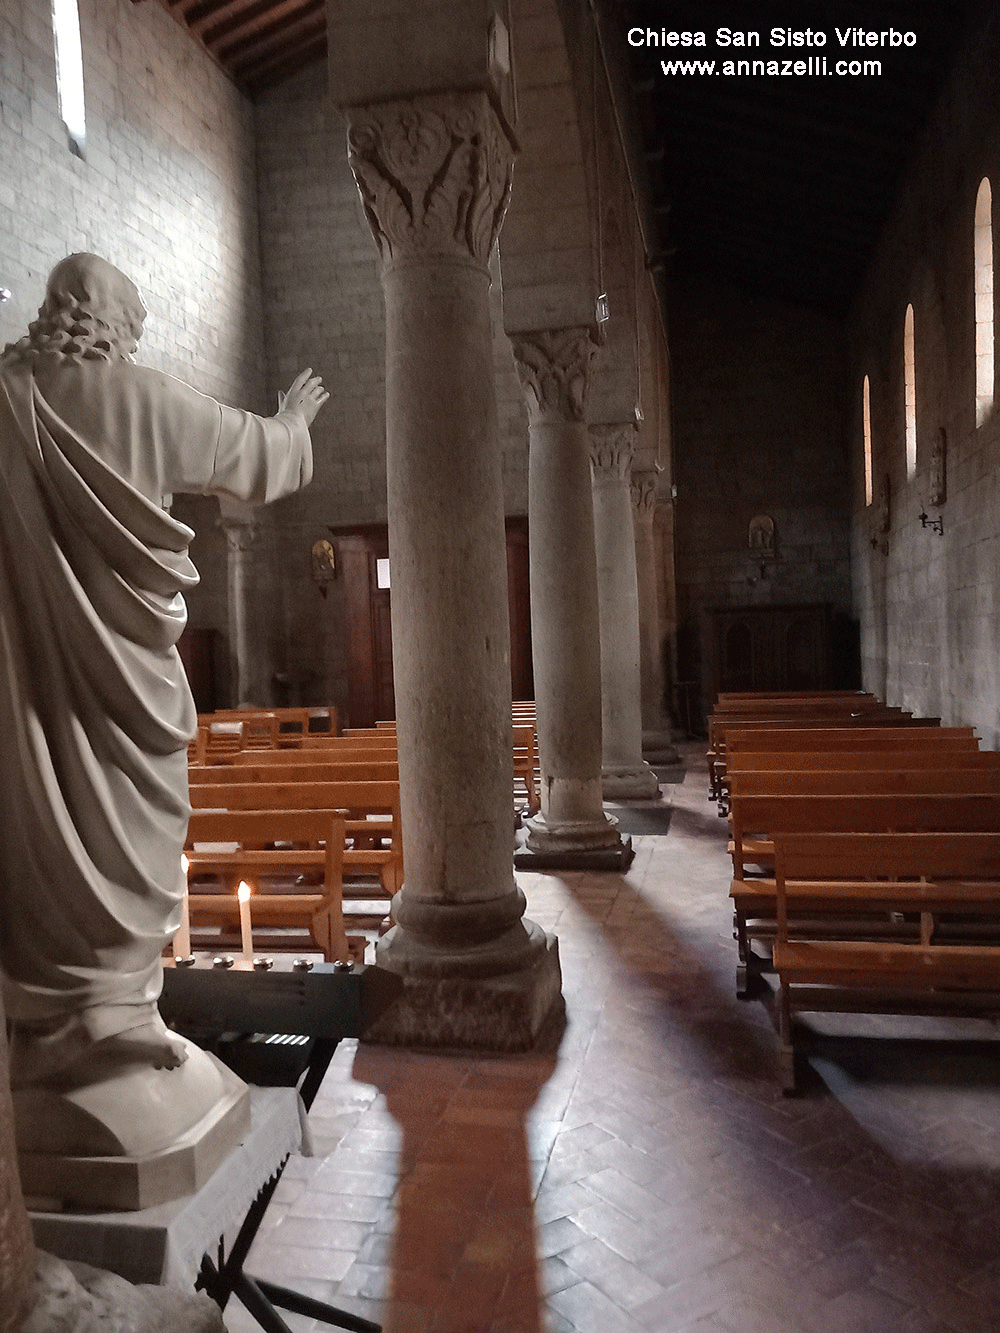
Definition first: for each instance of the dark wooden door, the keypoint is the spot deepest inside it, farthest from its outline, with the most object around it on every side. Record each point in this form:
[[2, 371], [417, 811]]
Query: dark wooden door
[[366, 574]]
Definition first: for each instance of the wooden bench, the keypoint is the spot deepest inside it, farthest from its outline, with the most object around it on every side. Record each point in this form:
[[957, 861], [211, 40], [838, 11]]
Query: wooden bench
[[764, 749], [767, 817], [802, 732], [372, 825], [337, 749], [254, 845], [935, 878], [858, 781], [864, 757], [311, 769]]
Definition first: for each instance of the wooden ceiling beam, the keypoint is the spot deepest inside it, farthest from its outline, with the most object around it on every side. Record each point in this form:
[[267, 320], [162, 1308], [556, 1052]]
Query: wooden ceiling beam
[[283, 65], [238, 56], [246, 20]]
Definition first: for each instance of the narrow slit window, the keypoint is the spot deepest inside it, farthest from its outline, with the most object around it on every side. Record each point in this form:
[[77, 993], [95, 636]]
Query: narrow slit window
[[382, 573], [910, 393], [984, 301], [69, 71], [866, 418]]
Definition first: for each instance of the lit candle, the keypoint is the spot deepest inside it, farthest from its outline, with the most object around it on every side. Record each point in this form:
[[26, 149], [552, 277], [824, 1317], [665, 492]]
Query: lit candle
[[244, 896], [182, 940]]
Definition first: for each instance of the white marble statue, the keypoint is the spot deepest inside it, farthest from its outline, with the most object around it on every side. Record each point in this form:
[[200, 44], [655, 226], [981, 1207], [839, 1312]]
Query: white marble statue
[[95, 709]]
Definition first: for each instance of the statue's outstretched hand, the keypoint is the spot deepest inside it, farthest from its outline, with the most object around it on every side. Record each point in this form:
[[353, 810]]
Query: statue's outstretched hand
[[305, 396]]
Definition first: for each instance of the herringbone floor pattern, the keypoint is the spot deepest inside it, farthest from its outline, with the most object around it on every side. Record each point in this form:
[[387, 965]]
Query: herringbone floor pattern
[[648, 1177]]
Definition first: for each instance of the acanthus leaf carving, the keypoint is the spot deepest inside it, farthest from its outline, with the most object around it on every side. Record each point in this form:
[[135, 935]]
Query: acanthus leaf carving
[[644, 495], [434, 174], [554, 367], [612, 447]]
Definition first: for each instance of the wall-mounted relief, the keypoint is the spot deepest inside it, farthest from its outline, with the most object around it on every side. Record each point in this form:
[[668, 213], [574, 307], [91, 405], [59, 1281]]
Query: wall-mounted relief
[[937, 482], [324, 564], [761, 537]]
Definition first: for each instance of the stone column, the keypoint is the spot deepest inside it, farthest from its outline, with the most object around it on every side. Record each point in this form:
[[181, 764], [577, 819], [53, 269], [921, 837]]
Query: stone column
[[237, 522], [571, 829], [17, 1251], [625, 774], [434, 173], [657, 743]]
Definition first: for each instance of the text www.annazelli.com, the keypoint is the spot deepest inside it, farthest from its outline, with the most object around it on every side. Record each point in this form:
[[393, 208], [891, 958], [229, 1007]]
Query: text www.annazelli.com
[[815, 66]]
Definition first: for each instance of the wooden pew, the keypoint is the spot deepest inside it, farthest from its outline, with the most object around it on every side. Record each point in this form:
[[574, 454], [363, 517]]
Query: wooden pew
[[756, 817], [862, 759], [935, 878], [754, 698], [240, 845], [526, 763], [752, 748], [370, 809], [943, 777], [758, 821], [847, 738], [376, 737], [310, 770], [338, 750], [726, 733]]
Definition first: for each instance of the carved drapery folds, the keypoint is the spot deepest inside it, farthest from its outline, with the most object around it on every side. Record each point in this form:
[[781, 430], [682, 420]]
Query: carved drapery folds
[[644, 496], [434, 174], [554, 367], [611, 449]]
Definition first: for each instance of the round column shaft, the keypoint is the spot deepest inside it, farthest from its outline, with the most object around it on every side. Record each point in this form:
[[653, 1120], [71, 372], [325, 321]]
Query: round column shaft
[[434, 174], [625, 774], [554, 367], [657, 742], [240, 533]]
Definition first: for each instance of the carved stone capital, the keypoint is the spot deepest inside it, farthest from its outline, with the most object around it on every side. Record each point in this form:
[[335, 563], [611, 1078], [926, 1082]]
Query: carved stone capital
[[644, 495], [612, 448], [434, 174], [554, 367], [240, 533]]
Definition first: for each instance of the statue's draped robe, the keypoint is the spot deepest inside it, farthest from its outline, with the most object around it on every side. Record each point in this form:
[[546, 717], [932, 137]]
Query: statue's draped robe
[[95, 709]]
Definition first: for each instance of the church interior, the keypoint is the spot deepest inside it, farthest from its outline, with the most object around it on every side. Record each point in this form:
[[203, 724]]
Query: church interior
[[757, 309]]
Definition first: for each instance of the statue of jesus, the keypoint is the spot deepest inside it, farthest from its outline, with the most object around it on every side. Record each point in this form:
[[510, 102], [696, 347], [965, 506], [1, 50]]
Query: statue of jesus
[[95, 709]]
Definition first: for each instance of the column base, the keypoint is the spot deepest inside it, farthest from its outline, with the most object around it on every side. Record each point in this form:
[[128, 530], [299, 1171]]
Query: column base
[[508, 1013], [554, 854], [547, 836], [636, 782], [658, 748]]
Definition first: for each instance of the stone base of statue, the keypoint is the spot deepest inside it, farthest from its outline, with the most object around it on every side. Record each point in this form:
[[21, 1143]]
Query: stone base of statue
[[630, 782], [136, 1137], [503, 998]]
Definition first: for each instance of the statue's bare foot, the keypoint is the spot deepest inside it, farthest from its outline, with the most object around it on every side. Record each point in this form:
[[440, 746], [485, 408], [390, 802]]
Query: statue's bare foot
[[150, 1043]]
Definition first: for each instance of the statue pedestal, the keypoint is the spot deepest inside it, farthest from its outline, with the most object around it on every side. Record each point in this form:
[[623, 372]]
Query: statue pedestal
[[165, 1244], [137, 1138]]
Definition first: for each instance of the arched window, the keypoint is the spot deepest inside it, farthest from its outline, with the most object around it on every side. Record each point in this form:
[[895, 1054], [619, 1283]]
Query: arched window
[[910, 393], [984, 301], [69, 71], [866, 417]]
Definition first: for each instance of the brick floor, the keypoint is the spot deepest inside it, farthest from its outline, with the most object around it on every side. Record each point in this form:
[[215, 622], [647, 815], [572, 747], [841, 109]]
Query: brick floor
[[649, 1177]]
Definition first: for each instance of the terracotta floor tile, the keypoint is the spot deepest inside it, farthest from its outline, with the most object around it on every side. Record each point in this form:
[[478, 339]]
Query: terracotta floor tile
[[675, 1189]]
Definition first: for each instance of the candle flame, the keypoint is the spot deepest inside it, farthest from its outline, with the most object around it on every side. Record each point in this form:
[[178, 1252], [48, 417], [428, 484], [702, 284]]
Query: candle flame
[[243, 892]]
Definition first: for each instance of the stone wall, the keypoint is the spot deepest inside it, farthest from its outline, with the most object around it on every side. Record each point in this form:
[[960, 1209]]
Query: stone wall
[[929, 603], [757, 391], [167, 190]]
